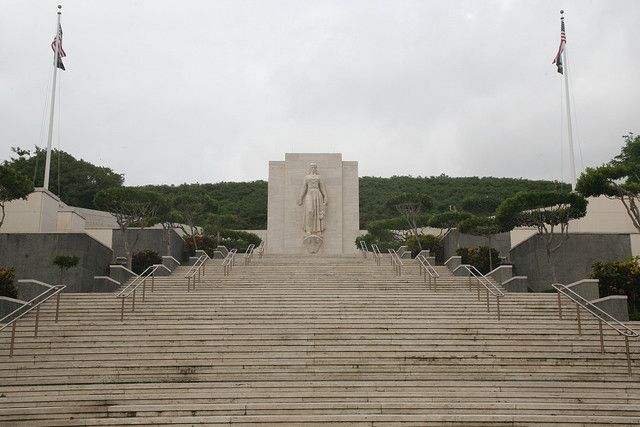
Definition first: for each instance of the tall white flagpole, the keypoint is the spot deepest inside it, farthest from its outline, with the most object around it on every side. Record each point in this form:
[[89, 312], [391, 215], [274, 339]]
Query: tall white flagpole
[[47, 165], [565, 65]]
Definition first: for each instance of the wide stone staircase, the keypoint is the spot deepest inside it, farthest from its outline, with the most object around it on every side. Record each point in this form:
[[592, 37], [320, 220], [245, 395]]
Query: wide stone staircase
[[315, 341]]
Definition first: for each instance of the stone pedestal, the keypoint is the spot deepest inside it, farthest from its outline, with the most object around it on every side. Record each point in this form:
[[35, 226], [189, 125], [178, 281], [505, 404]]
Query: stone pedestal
[[285, 232]]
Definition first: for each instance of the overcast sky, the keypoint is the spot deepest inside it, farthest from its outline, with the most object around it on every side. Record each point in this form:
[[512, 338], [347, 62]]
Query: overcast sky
[[208, 91]]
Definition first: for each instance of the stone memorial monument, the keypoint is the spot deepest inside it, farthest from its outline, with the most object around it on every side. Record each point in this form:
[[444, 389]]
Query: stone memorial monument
[[313, 205]]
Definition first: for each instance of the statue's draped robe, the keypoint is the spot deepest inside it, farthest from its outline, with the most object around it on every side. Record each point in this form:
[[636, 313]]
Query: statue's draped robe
[[313, 206]]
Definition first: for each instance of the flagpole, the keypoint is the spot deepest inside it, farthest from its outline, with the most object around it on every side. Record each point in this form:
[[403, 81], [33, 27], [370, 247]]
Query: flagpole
[[47, 165], [568, 101]]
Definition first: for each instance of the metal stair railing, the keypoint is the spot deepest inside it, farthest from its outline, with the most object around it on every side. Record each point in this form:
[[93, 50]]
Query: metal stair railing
[[376, 253], [363, 248], [248, 254], [196, 271], [130, 289], [602, 316], [396, 262], [229, 262], [428, 270], [12, 318], [260, 249], [489, 286]]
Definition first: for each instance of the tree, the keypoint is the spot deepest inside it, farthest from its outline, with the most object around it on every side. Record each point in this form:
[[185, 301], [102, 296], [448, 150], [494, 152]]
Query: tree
[[480, 205], [481, 226], [547, 211], [618, 179], [13, 185], [79, 179], [217, 224], [132, 208], [65, 262], [192, 211], [410, 205], [448, 220]]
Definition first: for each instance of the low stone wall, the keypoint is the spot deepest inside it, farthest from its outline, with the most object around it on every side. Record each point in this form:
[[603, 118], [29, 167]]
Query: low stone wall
[[501, 273], [517, 284], [572, 262], [149, 238], [615, 305], [31, 254]]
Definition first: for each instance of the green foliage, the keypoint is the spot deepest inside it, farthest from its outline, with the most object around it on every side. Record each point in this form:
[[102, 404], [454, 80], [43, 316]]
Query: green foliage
[[65, 262], [388, 241], [417, 202], [483, 258], [144, 259], [13, 185], [7, 285], [446, 191], [479, 226], [240, 240], [540, 208], [448, 220], [246, 201], [480, 205], [231, 239], [620, 278], [131, 206], [620, 179], [216, 224], [427, 241], [79, 179]]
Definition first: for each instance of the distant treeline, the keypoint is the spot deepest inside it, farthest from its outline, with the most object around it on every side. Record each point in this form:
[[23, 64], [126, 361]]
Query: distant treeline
[[247, 201]]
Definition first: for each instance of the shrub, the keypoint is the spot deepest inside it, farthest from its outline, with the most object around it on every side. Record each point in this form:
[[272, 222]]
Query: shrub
[[383, 245], [620, 278], [143, 259], [479, 257], [7, 286], [239, 240], [428, 241], [231, 239]]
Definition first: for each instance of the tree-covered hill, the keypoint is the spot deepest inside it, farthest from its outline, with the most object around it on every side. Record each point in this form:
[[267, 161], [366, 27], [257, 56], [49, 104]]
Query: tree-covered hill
[[247, 201], [445, 191]]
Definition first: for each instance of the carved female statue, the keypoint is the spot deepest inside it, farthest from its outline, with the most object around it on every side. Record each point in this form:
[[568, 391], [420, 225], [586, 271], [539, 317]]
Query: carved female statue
[[314, 197]]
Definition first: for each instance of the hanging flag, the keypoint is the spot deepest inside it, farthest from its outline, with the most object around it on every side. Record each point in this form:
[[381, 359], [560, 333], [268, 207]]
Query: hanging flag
[[563, 40], [56, 45]]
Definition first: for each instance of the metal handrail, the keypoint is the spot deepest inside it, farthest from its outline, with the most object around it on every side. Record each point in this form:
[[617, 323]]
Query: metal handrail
[[363, 248], [260, 249], [229, 262], [425, 266], [488, 285], [130, 289], [598, 313], [34, 303], [376, 253], [396, 262], [198, 268], [248, 254]]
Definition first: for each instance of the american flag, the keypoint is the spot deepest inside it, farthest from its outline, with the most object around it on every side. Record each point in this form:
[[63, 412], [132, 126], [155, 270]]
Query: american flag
[[563, 40], [56, 45]]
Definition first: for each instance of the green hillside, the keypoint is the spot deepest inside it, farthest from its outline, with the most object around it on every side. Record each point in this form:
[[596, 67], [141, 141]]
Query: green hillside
[[81, 180]]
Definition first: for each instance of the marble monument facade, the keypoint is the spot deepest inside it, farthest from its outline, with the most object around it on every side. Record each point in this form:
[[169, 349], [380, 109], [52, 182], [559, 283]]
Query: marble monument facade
[[313, 205]]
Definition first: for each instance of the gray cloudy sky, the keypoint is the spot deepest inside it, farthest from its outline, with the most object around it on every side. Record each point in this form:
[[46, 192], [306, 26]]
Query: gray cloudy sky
[[205, 91]]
